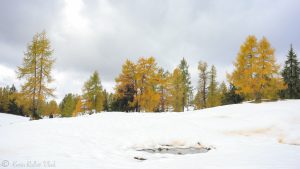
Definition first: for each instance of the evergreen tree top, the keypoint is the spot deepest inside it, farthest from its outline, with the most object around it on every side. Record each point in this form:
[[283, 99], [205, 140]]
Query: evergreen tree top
[[291, 56]]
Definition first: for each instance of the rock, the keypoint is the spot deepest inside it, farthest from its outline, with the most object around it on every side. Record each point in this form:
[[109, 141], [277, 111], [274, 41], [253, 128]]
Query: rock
[[139, 158]]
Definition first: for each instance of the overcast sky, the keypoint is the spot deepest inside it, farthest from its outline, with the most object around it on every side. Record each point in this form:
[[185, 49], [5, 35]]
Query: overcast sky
[[101, 35]]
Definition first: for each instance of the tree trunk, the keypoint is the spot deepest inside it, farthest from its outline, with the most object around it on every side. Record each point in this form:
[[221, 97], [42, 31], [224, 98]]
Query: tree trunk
[[34, 106]]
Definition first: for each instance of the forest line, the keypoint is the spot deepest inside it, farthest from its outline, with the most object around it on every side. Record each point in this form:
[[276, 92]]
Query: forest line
[[146, 87]]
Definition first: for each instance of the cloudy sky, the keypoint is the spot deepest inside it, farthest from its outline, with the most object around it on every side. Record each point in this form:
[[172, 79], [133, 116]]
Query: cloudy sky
[[100, 35]]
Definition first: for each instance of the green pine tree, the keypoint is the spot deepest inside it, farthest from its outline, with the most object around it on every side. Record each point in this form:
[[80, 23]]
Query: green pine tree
[[13, 106], [291, 76], [213, 94], [68, 105], [186, 80], [200, 100], [231, 96], [106, 103], [93, 93], [222, 90]]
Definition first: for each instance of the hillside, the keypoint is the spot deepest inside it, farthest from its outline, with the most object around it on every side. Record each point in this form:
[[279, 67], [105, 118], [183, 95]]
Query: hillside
[[247, 135]]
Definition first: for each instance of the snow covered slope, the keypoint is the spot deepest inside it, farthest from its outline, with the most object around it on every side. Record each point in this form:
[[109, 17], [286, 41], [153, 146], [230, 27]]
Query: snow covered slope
[[241, 136], [8, 119]]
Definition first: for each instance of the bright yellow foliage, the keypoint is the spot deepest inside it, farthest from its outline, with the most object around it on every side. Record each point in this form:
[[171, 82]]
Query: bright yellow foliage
[[256, 73], [138, 83], [164, 90], [177, 90], [78, 107], [147, 82]]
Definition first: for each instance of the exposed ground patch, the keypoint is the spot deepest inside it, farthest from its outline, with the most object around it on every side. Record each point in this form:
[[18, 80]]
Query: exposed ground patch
[[258, 131], [178, 150]]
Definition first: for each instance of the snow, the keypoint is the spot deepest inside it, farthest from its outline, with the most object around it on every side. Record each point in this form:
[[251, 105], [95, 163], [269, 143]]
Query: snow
[[8, 119], [247, 136]]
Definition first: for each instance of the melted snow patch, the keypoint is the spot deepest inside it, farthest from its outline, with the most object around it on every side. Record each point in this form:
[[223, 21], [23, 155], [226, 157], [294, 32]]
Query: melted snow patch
[[177, 149]]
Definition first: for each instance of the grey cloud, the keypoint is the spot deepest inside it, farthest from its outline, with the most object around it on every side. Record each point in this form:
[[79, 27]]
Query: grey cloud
[[105, 33], [20, 20]]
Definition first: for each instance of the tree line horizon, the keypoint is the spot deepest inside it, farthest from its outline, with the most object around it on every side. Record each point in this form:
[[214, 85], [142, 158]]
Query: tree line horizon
[[146, 87]]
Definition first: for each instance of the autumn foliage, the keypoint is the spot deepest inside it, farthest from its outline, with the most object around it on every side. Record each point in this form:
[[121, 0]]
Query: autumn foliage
[[144, 86], [256, 74]]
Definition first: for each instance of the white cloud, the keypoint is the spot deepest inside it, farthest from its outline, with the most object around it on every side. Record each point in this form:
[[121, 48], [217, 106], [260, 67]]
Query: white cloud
[[8, 76]]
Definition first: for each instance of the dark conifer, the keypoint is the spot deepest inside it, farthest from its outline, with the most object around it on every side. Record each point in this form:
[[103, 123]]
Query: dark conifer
[[290, 74]]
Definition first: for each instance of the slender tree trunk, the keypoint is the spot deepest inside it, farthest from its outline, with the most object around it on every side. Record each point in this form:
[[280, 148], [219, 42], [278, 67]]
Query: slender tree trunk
[[33, 97], [258, 97], [34, 105], [163, 101], [183, 102], [40, 81], [41, 72]]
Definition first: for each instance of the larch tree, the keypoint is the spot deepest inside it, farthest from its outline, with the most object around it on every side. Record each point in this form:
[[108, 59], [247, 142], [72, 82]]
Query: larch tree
[[222, 90], [164, 90], [201, 96], [140, 86], [186, 80], [93, 93], [213, 96], [267, 78], [126, 88], [24, 103], [36, 69], [4, 99], [51, 109], [177, 90], [147, 98], [256, 73], [78, 106], [243, 74], [291, 76], [8, 101], [13, 106]]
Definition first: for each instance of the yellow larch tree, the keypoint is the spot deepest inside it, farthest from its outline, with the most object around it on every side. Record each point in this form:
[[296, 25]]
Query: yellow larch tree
[[256, 73], [36, 70], [78, 107], [147, 98], [126, 87], [164, 90], [267, 78], [177, 90], [242, 76]]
